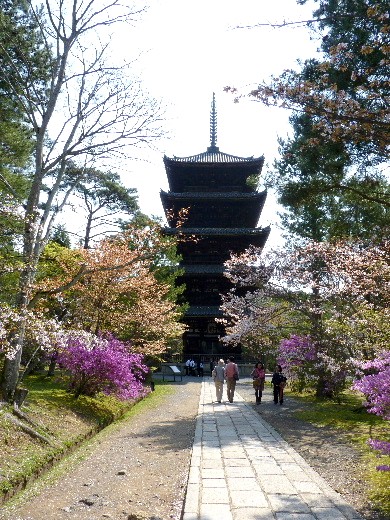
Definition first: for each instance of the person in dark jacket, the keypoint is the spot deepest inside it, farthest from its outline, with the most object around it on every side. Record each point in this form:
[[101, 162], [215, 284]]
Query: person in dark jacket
[[199, 368], [279, 382]]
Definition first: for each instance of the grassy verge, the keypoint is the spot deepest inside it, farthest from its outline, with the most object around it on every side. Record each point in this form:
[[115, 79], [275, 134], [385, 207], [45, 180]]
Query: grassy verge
[[351, 418], [65, 420]]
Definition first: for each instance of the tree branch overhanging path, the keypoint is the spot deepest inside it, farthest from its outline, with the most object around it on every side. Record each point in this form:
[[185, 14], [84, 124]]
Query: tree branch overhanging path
[[82, 110]]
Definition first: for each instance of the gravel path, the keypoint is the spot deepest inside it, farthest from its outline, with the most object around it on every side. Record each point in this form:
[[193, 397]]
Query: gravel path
[[138, 469]]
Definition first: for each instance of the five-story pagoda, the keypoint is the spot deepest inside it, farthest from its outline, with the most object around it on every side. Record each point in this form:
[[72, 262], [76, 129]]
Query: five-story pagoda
[[223, 207]]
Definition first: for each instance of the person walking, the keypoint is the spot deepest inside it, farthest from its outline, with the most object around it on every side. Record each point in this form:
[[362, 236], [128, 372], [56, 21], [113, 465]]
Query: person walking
[[218, 375], [258, 376], [231, 376], [279, 382]]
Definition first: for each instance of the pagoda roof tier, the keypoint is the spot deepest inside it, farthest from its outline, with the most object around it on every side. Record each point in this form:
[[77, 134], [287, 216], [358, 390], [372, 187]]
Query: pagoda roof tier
[[218, 195], [209, 311], [214, 209], [202, 269], [213, 155], [206, 232], [214, 246], [211, 171]]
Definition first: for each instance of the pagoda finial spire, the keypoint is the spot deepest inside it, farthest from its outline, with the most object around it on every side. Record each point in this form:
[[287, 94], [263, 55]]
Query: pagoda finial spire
[[213, 128]]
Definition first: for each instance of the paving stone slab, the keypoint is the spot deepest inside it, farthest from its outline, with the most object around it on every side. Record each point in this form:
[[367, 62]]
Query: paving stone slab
[[242, 498]]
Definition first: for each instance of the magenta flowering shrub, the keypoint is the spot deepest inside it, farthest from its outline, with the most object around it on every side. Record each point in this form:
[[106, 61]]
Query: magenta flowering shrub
[[106, 365], [384, 449], [297, 350], [375, 385]]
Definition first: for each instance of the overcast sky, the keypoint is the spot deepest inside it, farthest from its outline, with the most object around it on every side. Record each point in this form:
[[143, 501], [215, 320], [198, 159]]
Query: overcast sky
[[188, 49]]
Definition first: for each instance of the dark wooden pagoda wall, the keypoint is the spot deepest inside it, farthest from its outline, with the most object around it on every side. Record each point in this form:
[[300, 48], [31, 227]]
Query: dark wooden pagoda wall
[[216, 249], [218, 212]]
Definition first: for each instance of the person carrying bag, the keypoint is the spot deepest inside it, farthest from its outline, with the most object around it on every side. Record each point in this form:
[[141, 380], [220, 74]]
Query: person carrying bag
[[258, 375], [279, 382], [232, 376]]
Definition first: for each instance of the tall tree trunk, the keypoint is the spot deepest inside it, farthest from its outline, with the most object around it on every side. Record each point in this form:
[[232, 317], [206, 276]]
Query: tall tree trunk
[[10, 374]]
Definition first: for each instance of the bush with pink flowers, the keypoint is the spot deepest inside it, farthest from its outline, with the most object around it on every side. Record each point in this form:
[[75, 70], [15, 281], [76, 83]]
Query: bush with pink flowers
[[106, 365], [375, 385], [314, 365]]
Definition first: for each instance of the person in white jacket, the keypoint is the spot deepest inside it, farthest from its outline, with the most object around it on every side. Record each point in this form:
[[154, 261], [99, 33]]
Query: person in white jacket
[[218, 375]]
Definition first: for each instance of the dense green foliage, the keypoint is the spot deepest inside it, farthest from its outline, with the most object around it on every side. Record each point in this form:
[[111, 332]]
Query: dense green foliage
[[24, 59], [321, 198]]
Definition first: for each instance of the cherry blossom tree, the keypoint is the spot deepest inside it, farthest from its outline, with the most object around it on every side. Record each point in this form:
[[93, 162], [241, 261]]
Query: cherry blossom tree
[[340, 291]]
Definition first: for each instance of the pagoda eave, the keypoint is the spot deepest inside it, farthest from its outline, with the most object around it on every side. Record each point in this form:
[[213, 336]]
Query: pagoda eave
[[215, 158], [202, 269], [196, 196], [203, 311], [205, 232]]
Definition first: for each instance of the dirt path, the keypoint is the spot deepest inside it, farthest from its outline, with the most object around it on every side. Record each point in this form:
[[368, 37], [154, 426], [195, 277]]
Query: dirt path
[[131, 470]]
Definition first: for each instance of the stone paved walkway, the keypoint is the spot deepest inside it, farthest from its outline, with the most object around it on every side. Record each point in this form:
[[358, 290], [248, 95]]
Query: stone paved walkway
[[241, 469]]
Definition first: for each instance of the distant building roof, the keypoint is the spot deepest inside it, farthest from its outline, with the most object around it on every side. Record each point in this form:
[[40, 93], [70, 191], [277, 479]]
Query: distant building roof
[[213, 195], [213, 155], [218, 231]]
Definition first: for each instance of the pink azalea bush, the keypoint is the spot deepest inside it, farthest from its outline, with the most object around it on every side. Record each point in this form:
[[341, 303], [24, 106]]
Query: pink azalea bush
[[375, 385], [107, 366]]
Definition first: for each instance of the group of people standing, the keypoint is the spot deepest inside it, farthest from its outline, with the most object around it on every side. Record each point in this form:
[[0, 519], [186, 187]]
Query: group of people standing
[[230, 374], [194, 368]]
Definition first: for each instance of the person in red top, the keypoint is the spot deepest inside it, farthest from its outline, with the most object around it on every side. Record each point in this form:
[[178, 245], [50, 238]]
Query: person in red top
[[258, 375], [231, 376]]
